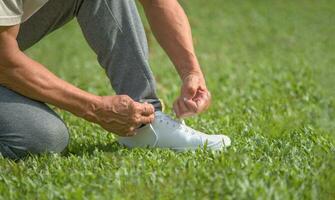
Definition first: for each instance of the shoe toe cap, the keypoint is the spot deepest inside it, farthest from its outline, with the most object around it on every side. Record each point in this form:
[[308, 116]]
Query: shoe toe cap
[[217, 142]]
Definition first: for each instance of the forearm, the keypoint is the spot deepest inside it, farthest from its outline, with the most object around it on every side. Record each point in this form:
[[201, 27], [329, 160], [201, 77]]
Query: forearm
[[29, 78], [172, 30]]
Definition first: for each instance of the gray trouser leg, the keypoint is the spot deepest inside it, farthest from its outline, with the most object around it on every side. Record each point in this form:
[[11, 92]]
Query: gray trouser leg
[[114, 31], [28, 126], [53, 15]]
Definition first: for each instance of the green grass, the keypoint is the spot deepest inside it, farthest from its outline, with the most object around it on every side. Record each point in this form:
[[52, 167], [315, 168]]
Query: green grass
[[270, 67]]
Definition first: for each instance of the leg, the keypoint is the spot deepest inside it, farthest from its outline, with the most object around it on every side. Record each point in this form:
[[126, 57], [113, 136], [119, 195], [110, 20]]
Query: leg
[[114, 30], [28, 126], [53, 15]]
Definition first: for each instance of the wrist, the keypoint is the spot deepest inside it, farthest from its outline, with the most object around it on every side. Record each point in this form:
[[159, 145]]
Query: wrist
[[188, 65], [192, 75], [198, 73], [89, 107]]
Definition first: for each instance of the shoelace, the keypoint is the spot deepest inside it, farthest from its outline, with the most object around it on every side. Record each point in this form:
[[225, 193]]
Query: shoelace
[[156, 135], [175, 123]]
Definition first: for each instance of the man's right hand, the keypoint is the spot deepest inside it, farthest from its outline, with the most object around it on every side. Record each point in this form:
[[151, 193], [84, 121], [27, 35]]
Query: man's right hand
[[120, 114]]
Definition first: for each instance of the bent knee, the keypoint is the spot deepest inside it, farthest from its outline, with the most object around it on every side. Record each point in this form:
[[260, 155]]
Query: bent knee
[[50, 137], [47, 137]]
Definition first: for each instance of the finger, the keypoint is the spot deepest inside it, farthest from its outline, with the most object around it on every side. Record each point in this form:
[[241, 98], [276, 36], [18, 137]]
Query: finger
[[182, 107], [176, 108], [183, 111], [147, 119], [145, 109], [203, 102], [129, 132], [190, 90], [191, 105]]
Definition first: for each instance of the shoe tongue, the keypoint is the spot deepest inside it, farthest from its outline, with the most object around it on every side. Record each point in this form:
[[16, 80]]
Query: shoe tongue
[[162, 116], [159, 114]]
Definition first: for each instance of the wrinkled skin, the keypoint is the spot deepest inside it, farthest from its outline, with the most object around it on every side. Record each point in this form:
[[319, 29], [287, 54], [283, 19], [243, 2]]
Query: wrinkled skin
[[121, 115], [194, 98]]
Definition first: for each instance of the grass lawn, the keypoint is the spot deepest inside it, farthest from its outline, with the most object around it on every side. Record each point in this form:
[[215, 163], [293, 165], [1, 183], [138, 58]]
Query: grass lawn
[[270, 67]]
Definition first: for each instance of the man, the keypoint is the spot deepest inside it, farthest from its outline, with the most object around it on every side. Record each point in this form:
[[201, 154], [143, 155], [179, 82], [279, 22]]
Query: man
[[114, 31]]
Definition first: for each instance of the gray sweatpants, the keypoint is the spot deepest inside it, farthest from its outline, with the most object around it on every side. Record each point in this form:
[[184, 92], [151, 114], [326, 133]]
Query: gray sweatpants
[[114, 31]]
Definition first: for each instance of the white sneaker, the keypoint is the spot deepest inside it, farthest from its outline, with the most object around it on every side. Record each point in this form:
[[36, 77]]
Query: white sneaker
[[165, 132]]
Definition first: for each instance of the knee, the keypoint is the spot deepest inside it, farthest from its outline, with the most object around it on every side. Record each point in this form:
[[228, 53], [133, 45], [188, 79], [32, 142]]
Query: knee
[[51, 137], [57, 138], [38, 138]]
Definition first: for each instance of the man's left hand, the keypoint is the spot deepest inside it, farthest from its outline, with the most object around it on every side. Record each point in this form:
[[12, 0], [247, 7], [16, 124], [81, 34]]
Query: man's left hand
[[195, 97]]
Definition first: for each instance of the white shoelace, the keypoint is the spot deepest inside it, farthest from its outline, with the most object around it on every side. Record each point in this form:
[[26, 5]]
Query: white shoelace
[[156, 135]]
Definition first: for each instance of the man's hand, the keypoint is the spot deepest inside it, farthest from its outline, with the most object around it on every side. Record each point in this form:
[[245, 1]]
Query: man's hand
[[120, 114], [194, 97], [173, 32]]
